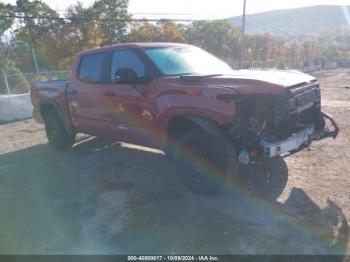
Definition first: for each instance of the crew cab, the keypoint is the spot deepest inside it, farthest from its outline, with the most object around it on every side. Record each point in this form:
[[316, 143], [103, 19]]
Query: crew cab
[[206, 117]]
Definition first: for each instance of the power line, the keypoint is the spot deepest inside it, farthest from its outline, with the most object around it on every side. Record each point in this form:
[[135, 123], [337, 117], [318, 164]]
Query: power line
[[229, 14], [105, 19], [161, 13]]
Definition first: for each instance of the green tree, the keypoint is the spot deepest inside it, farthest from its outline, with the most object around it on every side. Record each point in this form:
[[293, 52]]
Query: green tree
[[38, 33], [163, 31], [15, 79], [5, 22], [114, 30], [170, 31], [219, 37], [145, 32], [79, 27], [111, 28], [34, 31], [17, 82]]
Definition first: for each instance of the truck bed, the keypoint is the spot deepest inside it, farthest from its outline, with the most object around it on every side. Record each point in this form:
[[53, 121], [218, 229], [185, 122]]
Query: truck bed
[[50, 84]]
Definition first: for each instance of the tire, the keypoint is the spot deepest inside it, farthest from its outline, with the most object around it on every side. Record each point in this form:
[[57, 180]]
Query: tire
[[169, 152], [206, 162], [59, 138]]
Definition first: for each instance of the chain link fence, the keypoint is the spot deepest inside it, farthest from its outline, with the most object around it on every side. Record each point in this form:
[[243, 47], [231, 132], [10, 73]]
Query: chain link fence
[[20, 83], [11, 84], [311, 65]]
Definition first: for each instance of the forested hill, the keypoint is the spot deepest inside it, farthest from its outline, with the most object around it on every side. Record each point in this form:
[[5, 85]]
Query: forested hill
[[299, 20]]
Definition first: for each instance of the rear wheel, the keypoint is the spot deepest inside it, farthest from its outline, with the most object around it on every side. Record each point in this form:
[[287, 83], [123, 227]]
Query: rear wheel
[[59, 138], [206, 162]]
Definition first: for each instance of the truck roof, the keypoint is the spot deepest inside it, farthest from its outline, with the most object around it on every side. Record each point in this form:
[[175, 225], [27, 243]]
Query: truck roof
[[129, 46]]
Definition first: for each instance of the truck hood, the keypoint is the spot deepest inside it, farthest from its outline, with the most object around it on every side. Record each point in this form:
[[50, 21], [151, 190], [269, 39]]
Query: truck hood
[[285, 78], [259, 81]]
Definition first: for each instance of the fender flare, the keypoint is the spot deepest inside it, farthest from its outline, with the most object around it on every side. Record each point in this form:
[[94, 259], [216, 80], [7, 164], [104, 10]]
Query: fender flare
[[207, 124], [54, 105]]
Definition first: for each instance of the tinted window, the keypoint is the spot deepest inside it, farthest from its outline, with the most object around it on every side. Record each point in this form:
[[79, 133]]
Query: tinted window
[[91, 68], [126, 59]]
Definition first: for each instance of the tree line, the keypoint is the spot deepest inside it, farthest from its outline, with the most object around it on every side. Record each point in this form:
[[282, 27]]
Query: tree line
[[33, 27]]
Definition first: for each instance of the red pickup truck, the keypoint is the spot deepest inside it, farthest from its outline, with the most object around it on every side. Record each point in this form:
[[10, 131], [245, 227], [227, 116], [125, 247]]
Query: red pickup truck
[[206, 117]]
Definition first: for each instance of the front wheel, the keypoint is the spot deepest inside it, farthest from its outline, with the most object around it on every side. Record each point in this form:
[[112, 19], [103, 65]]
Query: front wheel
[[59, 138], [206, 162]]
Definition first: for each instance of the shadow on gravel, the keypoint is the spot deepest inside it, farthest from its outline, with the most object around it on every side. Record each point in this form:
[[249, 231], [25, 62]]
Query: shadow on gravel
[[103, 198], [267, 180], [2, 122]]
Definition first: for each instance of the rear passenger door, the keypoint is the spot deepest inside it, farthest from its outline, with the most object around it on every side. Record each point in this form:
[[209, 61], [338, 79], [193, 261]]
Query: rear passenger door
[[87, 94]]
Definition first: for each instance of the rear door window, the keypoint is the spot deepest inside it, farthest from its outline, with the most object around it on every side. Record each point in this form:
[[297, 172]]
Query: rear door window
[[92, 67]]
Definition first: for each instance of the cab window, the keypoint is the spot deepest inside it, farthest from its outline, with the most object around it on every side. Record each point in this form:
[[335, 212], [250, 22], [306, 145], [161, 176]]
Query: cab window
[[91, 68], [126, 60]]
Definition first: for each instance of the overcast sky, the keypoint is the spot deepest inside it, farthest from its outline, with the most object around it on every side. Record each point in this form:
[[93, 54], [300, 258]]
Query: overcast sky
[[203, 8]]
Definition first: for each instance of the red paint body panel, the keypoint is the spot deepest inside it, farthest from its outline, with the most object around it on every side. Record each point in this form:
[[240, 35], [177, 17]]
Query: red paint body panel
[[140, 113]]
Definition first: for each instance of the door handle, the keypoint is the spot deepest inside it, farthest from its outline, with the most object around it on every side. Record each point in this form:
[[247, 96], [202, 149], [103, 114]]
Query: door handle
[[108, 93], [72, 92]]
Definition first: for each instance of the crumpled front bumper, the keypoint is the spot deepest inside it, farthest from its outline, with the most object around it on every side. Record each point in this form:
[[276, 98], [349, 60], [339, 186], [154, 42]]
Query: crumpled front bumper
[[299, 140], [328, 133]]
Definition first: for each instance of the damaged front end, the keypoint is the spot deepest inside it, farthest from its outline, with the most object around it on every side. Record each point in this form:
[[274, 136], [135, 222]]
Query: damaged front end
[[299, 140], [270, 126]]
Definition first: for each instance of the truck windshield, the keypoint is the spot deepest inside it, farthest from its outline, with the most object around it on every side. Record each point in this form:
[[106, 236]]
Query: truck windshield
[[183, 60]]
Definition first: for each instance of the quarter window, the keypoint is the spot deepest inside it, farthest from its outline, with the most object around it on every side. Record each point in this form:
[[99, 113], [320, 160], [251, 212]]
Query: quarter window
[[92, 67]]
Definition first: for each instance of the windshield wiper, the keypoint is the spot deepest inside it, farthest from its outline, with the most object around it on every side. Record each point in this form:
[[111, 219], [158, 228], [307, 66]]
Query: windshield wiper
[[213, 75], [196, 77]]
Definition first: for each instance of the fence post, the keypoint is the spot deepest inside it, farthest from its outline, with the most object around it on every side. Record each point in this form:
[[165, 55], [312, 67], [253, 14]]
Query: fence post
[[6, 82], [35, 60]]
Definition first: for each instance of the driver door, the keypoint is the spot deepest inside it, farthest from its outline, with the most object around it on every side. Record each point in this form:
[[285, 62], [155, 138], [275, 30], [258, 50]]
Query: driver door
[[129, 112]]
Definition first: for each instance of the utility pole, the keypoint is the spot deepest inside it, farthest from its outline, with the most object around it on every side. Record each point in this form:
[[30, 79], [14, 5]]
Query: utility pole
[[32, 50], [241, 41], [35, 60], [6, 82]]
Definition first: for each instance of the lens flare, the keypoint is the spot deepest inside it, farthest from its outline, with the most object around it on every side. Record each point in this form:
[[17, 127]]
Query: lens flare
[[346, 14]]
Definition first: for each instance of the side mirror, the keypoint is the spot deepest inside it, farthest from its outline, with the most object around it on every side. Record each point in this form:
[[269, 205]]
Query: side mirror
[[126, 75]]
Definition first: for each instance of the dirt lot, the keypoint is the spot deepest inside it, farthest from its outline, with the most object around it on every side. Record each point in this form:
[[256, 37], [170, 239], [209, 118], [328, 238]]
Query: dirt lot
[[113, 198]]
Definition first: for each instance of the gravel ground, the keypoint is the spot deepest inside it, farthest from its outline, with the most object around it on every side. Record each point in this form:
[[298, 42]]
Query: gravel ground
[[107, 197]]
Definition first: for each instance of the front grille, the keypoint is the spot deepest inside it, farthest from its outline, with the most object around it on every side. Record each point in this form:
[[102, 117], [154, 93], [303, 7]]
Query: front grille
[[293, 113], [304, 100]]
